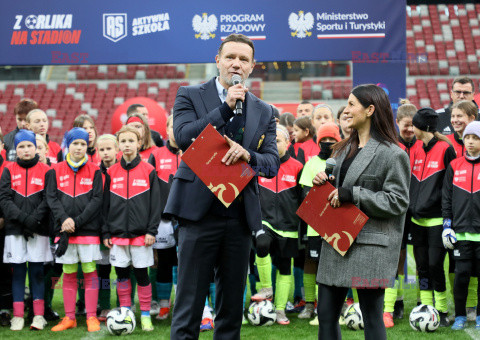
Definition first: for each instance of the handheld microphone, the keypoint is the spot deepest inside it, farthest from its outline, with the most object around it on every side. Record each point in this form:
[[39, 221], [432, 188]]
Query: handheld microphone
[[236, 79], [329, 166]]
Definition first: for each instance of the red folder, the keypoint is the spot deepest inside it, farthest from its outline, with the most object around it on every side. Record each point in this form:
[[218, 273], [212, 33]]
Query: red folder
[[204, 157], [338, 226]]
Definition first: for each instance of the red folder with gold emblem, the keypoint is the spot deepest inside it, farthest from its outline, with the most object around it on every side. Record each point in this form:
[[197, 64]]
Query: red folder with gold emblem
[[204, 157], [338, 226]]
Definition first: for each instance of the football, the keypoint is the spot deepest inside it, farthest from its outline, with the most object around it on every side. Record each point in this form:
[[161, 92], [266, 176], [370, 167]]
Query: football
[[120, 321], [262, 313], [424, 318], [353, 317]]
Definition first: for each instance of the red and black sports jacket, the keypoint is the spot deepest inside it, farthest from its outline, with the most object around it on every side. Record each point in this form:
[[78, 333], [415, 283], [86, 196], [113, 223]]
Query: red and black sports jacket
[[461, 195], [77, 195], [428, 172], [409, 147], [165, 160], [457, 144], [304, 151], [132, 200], [281, 195], [53, 150], [22, 194]]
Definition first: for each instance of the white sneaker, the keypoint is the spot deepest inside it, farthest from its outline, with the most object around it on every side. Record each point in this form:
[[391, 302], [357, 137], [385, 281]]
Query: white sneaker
[[282, 318], [308, 312], [155, 308], [471, 313], [17, 323], [38, 322], [314, 322], [263, 294]]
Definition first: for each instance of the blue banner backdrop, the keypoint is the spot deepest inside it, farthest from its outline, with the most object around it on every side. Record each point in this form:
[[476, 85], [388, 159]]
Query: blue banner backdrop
[[187, 31], [370, 33]]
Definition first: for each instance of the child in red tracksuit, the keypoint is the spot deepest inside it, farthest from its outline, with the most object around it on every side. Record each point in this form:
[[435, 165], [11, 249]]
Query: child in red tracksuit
[[305, 146], [22, 199], [132, 217], [147, 146], [74, 194], [463, 113]]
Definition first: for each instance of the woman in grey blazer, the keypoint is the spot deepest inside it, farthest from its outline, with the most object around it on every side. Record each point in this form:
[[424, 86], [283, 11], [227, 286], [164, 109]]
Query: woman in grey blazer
[[373, 173]]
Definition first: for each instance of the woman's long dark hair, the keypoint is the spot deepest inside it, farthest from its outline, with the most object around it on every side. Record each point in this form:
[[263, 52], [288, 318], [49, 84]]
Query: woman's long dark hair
[[382, 126]]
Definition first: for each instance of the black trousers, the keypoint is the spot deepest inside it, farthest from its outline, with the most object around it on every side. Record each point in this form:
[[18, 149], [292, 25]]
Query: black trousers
[[213, 244], [330, 302], [429, 262], [167, 259], [6, 297]]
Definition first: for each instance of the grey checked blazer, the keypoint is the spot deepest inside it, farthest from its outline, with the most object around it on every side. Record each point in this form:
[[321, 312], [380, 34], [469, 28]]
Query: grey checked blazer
[[379, 178]]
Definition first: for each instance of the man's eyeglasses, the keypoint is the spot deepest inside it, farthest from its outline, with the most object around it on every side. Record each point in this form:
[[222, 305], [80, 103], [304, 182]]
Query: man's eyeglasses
[[465, 93]]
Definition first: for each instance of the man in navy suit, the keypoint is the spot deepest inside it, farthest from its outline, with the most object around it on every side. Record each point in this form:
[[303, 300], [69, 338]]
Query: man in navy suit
[[213, 239]]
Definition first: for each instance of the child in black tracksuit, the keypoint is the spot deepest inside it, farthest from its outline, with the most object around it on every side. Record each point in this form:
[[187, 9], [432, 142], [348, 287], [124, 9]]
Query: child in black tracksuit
[[461, 213], [279, 198], [74, 194], [429, 165], [23, 202], [132, 213]]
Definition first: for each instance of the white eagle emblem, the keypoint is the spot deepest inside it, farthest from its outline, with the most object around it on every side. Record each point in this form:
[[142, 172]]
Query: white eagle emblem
[[301, 23], [204, 25]]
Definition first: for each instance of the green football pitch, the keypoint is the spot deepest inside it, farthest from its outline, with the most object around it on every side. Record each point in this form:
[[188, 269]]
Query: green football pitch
[[297, 329]]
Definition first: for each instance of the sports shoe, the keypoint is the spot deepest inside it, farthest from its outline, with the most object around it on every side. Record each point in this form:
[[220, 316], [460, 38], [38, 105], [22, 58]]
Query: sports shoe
[[146, 323], [50, 314], [308, 312], [263, 294], [163, 313], [471, 313], [460, 323], [93, 325], [244, 320], [206, 325], [314, 322], [65, 324], [398, 309], [17, 323], [477, 326], [103, 315], [282, 318], [444, 322], [154, 308], [299, 305], [38, 322], [289, 308], [388, 320]]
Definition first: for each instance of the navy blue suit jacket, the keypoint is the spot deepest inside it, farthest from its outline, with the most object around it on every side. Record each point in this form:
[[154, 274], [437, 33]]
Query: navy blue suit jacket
[[195, 107]]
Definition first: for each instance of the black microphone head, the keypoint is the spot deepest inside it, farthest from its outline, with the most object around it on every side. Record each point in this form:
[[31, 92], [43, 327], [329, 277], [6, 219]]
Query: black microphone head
[[236, 79], [329, 165]]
